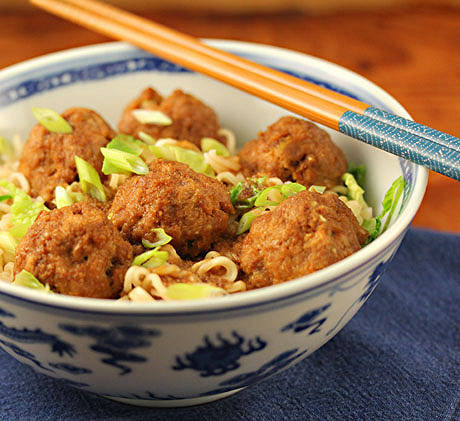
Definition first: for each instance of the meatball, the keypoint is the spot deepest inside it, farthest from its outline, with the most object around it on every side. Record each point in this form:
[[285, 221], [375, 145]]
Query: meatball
[[48, 159], [294, 150], [77, 251], [191, 119], [305, 233], [190, 207]]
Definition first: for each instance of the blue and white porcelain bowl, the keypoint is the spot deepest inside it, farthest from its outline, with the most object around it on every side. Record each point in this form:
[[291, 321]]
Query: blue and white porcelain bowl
[[185, 353]]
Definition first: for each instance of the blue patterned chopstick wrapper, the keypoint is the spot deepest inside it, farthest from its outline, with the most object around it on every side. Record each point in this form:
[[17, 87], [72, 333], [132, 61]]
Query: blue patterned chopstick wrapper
[[413, 127], [413, 147]]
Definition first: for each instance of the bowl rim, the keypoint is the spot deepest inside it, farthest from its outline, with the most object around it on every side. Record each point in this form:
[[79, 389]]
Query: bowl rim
[[262, 296]]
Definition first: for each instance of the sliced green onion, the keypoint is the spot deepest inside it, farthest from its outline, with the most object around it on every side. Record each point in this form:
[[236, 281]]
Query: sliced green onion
[[285, 191], [208, 143], [263, 200], [8, 243], [235, 192], [317, 189], [158, 259], [359, 172], [355, 191], [126, 143], [89, 179], [51, 120], [209, 171], [26, 279], [163, 152], [66, 197], [181, 291], [142, 258], [372, 226], [5, 147], [246, 221], [391, 199], [119, 162], [195, 160], [162, 239], [151, 258], [261, 180], [389, 204], [5, 197], [76, 196], [62, 198], [24, 212], [151, 117], [146, 138], [291, 189], [24, 209]]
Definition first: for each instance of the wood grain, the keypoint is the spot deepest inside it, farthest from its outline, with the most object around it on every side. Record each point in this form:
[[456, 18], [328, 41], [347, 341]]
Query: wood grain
[[412, 53]]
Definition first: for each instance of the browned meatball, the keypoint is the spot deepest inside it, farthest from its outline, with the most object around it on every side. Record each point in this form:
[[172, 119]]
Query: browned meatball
[[191, 119], [190, 207], [77, 251], [294, 150], [305, 233], [48, 159]]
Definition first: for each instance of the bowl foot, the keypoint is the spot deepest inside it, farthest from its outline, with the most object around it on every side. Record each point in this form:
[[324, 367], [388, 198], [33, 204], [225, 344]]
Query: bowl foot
[[174, 403]]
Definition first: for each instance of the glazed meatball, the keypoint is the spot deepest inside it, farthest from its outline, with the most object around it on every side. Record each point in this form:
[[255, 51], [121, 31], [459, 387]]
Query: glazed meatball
[[77, 251], [48, 159], [294, 150], [190, 207], [305, 233], [191, 119]]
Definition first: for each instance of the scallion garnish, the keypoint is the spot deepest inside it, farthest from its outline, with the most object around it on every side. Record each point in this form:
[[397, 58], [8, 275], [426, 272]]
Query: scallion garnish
[[195, 160], [355, 191], [8, 243], [246, 221], [51, 120], [26, 279], [235, 192], [119, 162], [181, 291], [274, 195], [208, 143], [359, 172], [317, 189], [157, 259], [390, 201], [151, 258], [151, 117], [146, 138], [269, 196], [162, 239], [126, 143], [24, 209], [264, 199], [291, 189], [89, 179], [163, 152], [62, 198]]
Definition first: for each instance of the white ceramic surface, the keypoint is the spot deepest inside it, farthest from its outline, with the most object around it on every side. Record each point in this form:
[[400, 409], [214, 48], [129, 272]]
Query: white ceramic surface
[[177, 354]]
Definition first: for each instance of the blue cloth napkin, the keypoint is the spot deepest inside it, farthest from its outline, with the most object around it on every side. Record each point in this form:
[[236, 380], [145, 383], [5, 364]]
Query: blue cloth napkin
[[398, 359]]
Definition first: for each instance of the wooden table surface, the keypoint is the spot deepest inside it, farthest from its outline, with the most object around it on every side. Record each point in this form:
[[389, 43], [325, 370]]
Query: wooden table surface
[[414, 54]]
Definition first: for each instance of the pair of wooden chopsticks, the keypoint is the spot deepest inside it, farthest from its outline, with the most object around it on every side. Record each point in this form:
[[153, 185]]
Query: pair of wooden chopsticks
[[410, 140]]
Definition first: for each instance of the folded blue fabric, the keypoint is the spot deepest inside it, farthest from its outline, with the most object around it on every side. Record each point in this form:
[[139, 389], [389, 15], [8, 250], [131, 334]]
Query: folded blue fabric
[[398, 359]]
